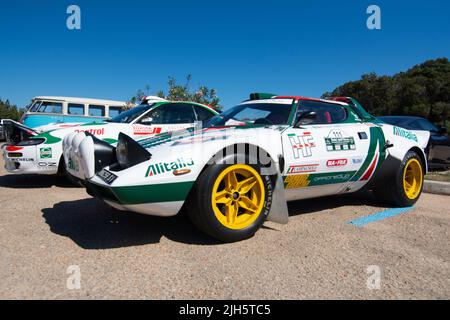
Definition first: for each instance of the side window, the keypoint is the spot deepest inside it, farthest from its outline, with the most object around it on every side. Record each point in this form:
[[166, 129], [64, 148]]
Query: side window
[[75, 109], [327, 113], [96, 110], [202, 113], [172, 114], [50, 107], [114, 111]]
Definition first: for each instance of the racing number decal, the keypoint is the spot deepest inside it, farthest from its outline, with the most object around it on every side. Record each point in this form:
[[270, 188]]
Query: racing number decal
[[302, 144]]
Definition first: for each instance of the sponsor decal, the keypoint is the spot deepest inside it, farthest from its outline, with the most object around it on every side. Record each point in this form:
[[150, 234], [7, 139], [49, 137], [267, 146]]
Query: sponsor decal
[[24, 159], [337, 163], [146, 130], [302, 144], [405, 134], [95, 132], [163, 167], [319, 179], [331, 178], [45, 153], [46, 165], [73, 165], [198, 139], [302, 168], [357, 160], [337, 141], [298, 181], [106, 176]]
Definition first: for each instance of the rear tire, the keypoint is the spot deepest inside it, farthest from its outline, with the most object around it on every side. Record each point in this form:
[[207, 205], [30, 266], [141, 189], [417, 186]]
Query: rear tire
[[405, 187], [230, 202]]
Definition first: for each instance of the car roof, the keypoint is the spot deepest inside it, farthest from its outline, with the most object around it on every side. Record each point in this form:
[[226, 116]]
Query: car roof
[[163, 101], [79, 100], [267, 98]]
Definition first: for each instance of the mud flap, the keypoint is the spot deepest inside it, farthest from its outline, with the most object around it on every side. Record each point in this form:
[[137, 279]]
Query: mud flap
[[279, 210]]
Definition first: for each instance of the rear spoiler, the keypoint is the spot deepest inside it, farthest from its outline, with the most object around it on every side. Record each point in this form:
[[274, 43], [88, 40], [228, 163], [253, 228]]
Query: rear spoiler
[[16, 132]]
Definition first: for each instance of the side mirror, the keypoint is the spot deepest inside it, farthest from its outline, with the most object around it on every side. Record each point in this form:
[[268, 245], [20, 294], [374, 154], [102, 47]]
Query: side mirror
[[306, 118], [147, 121]]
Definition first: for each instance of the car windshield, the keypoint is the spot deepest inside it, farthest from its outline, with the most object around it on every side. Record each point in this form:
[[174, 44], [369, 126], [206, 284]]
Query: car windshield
[[253, 114], [130, 115]]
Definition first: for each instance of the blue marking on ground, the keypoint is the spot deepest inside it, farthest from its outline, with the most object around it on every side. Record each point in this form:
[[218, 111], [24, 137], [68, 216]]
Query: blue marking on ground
[[360, 222]]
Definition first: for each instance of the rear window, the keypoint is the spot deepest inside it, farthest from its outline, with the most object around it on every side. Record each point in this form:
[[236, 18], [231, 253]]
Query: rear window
[[114, 111], [76, 109], [96, 110], [50, 107]]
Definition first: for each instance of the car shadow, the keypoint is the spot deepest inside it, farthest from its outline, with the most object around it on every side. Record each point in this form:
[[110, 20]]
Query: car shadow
[[34, 181], [361, 198], [92, 224]]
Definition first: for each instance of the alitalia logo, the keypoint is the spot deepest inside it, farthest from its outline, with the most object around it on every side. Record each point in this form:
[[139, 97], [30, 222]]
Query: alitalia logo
[[163, 167], [405, 134]]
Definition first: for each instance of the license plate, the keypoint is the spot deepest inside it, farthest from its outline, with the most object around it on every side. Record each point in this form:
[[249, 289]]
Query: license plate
[[107, 176]]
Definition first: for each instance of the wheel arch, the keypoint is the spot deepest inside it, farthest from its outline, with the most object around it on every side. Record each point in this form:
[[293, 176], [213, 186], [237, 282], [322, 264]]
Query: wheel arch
[[422, 156], [262, 156]]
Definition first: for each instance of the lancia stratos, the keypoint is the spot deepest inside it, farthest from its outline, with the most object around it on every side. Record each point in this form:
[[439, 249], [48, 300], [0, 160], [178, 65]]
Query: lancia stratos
[[31, 152], [248, 162]]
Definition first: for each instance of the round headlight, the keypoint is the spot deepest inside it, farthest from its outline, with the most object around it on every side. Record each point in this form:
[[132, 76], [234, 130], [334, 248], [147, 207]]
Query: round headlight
[[122, 153]]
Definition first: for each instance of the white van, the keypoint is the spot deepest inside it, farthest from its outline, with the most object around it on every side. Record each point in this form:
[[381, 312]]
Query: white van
[[46, 110]]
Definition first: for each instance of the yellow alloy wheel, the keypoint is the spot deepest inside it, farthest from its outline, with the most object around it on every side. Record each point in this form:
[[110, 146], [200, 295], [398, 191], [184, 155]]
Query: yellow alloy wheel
[[238, 196], [412, 178]]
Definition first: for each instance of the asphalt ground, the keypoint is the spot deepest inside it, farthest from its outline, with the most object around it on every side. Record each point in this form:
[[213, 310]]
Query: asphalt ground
[[56, 242]]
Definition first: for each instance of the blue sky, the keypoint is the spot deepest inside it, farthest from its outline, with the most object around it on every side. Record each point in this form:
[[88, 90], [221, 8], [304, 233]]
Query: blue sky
[[285, 47]]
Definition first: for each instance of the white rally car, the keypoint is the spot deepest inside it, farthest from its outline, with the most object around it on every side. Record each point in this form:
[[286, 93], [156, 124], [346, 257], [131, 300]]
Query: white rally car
[[250, 160], [32, 152]]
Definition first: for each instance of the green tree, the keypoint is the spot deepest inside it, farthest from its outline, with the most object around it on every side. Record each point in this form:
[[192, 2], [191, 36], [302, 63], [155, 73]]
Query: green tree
[[423, 90], [9, 111], [182, 92]]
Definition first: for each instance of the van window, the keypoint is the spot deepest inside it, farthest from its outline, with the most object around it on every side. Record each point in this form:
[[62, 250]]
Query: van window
[[50, 107], [96, 110], [114, 111], [35, 106], [76, 109]]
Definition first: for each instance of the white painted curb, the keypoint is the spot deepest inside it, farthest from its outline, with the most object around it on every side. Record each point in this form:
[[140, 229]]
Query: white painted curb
[[436, 187]]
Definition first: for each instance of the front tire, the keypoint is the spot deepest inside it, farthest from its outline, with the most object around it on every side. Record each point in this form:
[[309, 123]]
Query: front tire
[[75, 182], [405, 187], [230, 202]]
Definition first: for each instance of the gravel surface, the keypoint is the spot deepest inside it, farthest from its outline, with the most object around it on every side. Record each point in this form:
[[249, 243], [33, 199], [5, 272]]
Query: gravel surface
[[47, 226]]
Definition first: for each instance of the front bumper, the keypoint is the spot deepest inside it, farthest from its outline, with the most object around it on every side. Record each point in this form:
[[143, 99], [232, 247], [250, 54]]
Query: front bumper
[[85, 160]]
